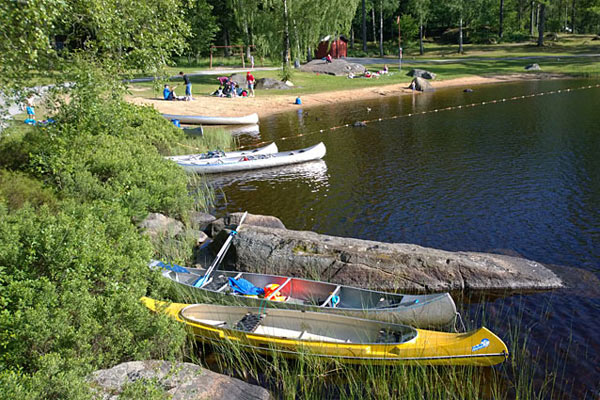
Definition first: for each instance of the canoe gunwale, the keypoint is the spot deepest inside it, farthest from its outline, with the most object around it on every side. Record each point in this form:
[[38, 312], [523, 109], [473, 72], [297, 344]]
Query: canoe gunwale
[[503, 354]]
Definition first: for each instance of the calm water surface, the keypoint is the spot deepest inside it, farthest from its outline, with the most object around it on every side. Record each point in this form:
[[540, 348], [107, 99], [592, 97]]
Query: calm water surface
[[519, 178]]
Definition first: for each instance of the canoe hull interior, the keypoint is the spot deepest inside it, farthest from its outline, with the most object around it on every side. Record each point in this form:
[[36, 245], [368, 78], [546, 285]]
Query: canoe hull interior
[[433, 310], [347, 339]]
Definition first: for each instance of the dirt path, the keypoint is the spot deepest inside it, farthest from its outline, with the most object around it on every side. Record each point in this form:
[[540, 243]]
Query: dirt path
[[269, 105]]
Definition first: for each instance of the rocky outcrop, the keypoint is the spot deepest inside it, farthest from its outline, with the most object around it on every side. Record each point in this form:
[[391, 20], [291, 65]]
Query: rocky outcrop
[[180, 381], [387, 266], [533, 67], [421, 73], [232, 220], [338, 67], [159, 225], [421, 85]]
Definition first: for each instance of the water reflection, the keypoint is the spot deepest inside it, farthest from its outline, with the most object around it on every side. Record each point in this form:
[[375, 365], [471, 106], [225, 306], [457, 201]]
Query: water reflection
[[313, 173]]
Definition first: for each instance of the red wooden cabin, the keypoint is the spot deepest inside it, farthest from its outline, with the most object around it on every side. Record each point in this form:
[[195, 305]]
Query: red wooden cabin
[[338, 47]]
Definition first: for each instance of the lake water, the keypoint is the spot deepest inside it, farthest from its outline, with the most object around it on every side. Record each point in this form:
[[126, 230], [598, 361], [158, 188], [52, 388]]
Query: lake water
[[517, 177]]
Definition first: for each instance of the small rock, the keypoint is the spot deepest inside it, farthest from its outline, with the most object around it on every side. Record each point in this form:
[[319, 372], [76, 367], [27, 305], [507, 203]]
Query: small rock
[[233, 219], [160, 225], [421, 73], [200, 220], [201, 237], [533, 67], [468, 90], [180, 381], [289, 83], [359, 124]]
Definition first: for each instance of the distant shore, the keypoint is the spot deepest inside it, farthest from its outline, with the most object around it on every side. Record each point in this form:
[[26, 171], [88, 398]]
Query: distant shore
[[274, 104]]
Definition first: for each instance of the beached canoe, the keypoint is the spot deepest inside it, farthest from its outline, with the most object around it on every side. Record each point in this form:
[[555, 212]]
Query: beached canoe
[[213, 155], [340, 337], [202, 120], [307, 295], [255, 162]]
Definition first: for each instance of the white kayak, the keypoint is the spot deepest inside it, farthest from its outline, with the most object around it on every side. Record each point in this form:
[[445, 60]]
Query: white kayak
[[245, 163], [212, 156], [202, 120]]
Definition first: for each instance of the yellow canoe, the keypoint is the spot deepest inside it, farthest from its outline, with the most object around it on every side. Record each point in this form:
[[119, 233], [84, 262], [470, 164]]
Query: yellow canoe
[[347, 339]]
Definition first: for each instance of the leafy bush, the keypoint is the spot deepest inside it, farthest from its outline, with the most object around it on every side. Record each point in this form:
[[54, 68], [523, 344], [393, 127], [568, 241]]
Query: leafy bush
[[120, 170], [70, 286], [18, 189]]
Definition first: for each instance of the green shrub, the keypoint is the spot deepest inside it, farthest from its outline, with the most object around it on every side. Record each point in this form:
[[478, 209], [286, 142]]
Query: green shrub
[[18, 189], [70, 283]]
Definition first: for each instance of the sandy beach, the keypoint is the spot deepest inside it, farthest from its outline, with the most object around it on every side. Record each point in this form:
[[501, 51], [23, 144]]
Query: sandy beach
[[268, 105]]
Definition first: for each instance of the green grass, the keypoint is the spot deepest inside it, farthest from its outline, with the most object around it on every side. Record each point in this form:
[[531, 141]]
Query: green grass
[[565, 45], [307, 376], [308, 83]]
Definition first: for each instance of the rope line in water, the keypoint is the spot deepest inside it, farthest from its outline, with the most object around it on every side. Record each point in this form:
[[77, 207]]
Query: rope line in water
[[458, 107]]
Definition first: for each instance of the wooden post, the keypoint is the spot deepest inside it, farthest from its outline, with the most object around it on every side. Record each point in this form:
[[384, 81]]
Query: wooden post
[[242, 54], [210, 63]]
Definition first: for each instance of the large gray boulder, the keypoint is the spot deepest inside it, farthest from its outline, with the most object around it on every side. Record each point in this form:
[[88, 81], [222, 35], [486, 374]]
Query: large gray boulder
[[180, 381], [270, 83], [421, 85], [421, 73], [338, 67], [387, 266], [233, 219], [533, 67], [159, 225]]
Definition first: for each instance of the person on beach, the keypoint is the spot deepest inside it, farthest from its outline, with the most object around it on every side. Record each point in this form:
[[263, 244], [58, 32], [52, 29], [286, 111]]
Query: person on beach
[[328, 59], [188, 86], [251, 81], [30, 112], [251, 61]]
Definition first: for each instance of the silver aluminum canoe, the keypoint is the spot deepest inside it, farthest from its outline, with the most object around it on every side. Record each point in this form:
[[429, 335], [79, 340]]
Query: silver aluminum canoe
[[203, 120], [203, 158], [420, 311], [255, 162]]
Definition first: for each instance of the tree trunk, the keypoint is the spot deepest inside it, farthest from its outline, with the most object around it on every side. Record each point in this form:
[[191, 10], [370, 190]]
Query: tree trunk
[[573, 8], [531, 23], [501, 20], [460, 37], [247, 34], [308, 54], [226, 41], [286, 36], [520, 14], [364, 26], [352, 38], [374, 30], [381, 28], [541, 21], [421, 48]]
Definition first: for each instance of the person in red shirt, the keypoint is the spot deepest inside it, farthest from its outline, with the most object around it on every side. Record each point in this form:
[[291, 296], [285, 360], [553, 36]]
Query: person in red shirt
[[251, 81]]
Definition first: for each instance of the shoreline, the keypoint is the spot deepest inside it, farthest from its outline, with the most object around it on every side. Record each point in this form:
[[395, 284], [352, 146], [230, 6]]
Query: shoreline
[[266, 106]]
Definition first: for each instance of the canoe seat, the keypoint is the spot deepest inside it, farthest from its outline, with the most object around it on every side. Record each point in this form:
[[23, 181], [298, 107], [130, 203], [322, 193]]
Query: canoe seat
[[390, 336], [320, 338], [249, 322], [387, 336], [211, 322]]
